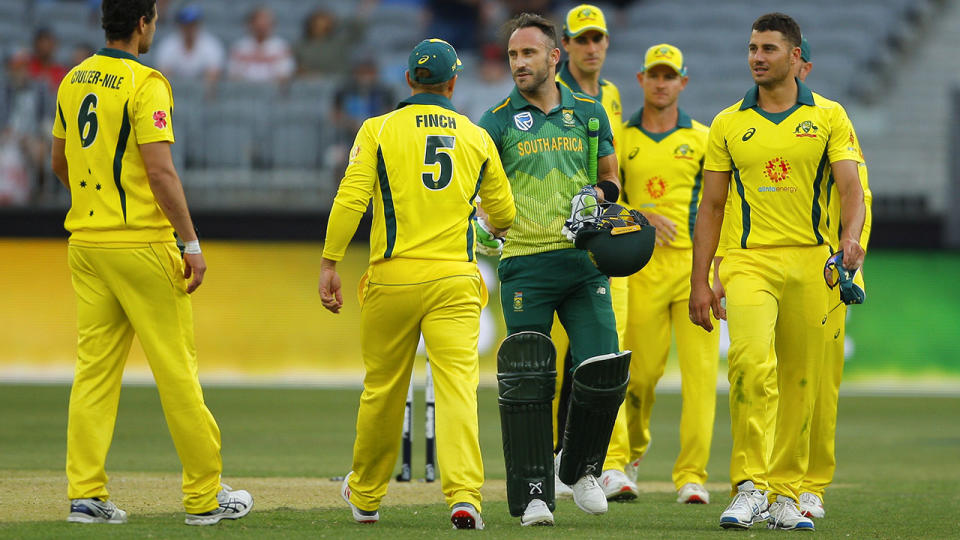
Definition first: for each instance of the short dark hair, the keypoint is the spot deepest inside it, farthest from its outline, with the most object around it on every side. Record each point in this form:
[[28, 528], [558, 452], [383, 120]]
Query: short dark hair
[[120, 17], [528, 20], [779, 22], [435, 88]]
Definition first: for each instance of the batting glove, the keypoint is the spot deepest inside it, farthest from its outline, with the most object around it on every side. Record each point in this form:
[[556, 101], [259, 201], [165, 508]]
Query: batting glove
[[487, 243], [584, 208]]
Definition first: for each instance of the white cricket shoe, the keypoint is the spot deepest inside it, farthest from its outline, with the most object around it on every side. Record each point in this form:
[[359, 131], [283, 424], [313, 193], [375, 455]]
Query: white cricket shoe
[[811, 506], [233, 504], [632, 470], [617, 487], [560, 489], [537, 513], [95, 511], [465, 516], [747, 507], [589, 496], [693, 493], [785, 514], [360, 516]]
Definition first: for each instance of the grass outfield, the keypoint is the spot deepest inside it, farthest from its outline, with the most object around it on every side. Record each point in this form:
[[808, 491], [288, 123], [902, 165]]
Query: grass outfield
[[898, 476]]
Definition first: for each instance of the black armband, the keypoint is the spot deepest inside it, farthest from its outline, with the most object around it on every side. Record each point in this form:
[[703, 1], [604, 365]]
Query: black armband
[[610, 190]]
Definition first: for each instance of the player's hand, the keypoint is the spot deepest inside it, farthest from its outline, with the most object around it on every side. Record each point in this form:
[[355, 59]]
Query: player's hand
[[852, 254], [702, 300], [194, 265], [488, 243], [331, 295], [583, 207], [718, 289], [666, 228]]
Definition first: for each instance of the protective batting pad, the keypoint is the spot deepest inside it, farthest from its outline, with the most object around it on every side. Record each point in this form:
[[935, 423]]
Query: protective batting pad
[[526, 377], [599, 386]]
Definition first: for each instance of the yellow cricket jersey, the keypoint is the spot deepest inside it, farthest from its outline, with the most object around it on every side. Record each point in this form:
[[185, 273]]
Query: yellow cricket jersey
[[107, 106], [423, 165], [833, 200], [780, 163], [609, 97], [663, 172]]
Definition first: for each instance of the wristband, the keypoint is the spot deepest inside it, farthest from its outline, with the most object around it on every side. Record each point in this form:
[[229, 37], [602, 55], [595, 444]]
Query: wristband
[[610, 190], [192, 247]]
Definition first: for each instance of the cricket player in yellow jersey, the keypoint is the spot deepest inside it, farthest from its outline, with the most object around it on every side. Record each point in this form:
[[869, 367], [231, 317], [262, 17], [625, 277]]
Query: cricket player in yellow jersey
[[586, 40], [423, 165], [661, 156], [111, 149], [778, 144], [822, 463]]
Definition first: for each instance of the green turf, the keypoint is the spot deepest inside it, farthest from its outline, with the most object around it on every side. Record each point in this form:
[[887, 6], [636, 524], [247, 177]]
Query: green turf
[[908, 324], [898, 476]]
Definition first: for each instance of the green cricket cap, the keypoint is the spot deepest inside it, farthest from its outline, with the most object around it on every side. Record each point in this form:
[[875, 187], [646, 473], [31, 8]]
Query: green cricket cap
[[437, 56], [804, 49]]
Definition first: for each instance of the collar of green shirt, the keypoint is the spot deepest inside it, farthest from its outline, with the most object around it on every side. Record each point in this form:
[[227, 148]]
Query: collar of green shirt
[[427, 98], [117, 53], [563, 71], [517, 101], [804, 96], [683, 121]]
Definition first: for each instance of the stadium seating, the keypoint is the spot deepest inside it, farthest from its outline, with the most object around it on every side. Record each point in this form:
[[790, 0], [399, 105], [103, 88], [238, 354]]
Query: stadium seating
[[262, 127]]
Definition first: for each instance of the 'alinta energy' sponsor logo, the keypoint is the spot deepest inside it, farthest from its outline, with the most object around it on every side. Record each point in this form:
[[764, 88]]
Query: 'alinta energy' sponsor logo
[[656, 187]]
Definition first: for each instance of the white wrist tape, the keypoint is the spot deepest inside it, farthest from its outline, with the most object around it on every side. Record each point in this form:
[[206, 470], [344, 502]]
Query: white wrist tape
[[192, 247]]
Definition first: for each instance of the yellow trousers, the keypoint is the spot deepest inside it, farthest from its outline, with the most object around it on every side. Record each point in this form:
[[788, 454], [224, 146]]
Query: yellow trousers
[[618, 297], [774, 291], [659, 296], [447, 312], [823, 460], [122, 290]]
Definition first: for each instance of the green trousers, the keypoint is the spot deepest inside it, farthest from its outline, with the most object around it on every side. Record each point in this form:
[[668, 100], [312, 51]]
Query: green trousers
[[565, 282]]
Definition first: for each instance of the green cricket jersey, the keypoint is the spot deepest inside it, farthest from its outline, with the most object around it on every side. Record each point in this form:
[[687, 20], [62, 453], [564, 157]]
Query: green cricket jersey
[[545, 158]]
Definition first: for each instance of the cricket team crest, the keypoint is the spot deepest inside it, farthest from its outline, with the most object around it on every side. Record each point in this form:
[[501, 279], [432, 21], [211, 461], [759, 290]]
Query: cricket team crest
[[806, 129], [518, 301], [567, 115], [777, 170], [523, 120], [656, 187], [683, 152]]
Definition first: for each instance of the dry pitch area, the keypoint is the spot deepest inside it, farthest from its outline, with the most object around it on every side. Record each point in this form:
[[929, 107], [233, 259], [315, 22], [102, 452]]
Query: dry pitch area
[[31, 495]]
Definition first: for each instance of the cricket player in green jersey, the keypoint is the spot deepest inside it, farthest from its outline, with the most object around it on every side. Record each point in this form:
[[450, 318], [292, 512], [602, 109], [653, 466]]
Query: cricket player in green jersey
[[541, 133]]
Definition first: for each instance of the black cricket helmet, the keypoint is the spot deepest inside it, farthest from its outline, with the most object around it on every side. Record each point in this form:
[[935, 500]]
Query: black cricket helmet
[[620, 240]]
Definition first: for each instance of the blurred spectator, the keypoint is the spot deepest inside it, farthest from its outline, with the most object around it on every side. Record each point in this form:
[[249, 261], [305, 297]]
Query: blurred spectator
[[24, 102], [474, 96], [80, 52], [261, 56], [543, 7], [41, 63], [192, 52], [459, 22], [327, 41], [360, 97]]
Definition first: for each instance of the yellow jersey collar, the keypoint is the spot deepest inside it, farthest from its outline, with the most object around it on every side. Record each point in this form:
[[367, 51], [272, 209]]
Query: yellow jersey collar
[[117, 53], [428, 98], [804, 96], [683, 119]]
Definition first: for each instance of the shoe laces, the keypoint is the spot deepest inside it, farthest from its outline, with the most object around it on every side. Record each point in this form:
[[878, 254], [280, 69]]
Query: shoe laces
[[785, 511], [748, 500]]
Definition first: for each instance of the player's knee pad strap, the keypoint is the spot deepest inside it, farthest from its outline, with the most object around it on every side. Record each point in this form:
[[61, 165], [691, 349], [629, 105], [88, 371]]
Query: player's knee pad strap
[[526, 377], [599, 386]]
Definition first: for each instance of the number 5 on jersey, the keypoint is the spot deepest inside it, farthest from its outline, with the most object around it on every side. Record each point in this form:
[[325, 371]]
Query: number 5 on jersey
[[433, 156]]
